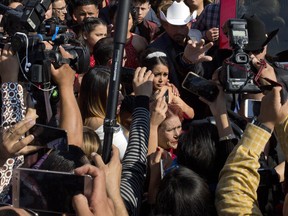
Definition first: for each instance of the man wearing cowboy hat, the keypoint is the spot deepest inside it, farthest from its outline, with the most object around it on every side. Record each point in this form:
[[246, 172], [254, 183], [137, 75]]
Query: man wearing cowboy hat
[[184, 54]]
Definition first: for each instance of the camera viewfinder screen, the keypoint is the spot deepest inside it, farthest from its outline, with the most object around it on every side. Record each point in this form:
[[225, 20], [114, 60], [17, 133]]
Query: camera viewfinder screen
[[239, 33]]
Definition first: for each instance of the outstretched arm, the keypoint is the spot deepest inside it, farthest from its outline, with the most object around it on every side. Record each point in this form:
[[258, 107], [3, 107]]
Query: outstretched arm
[[70, 116], [239, 178], [134, 162]]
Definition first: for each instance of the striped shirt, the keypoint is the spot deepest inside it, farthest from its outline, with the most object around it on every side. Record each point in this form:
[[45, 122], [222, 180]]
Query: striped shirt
[[134, 162]]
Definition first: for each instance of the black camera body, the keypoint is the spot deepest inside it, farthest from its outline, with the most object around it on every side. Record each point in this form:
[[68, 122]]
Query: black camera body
[[237, 75], [37, 59]]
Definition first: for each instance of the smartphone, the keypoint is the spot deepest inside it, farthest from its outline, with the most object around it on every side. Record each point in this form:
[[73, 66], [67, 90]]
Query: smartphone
[[200, 86], [161, 169], [51, 137], [166, 95], [251, 108], [48, 191]]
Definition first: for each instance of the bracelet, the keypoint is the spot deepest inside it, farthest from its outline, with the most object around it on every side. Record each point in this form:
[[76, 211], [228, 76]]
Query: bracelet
[[228, 137], [259, 124]]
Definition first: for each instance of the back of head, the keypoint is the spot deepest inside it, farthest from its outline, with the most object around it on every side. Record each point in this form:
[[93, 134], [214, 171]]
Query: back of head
[[183, 193], [65, 161], [103, 51], [196, 148], [93, 92], [79, 3], [89, 24], [91, 142]]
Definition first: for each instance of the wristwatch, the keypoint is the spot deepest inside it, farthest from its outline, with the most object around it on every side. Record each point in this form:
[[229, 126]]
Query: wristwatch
[[259, 124]]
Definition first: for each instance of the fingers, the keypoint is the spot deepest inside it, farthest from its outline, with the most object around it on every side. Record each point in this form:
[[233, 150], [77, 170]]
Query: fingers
[[64, 53], [29, 149], [158, 155], [115, 154], [207, 58], [87, 169], [7, 50], [21, 128], [80, 205], [139, 72], [97, 160], [136, 73], [21, 147], [31, 114], [207, 46], [163, 105]]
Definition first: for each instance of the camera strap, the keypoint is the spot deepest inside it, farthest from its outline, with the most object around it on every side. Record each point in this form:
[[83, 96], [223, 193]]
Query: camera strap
[[262, 66], [47, 106]]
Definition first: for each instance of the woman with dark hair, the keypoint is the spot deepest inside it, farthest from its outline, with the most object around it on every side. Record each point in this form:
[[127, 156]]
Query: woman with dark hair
[[93, 29], [157, 61], [183, 193], [197, 149], [92, 103]]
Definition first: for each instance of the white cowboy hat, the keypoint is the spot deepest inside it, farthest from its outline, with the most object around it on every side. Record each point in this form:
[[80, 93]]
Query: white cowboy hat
[[178, 14]]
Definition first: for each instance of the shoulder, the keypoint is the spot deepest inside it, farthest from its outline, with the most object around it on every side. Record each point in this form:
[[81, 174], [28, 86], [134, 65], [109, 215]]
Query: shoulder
[[150, 24], [162, 41], [94, 122], [139, 42]]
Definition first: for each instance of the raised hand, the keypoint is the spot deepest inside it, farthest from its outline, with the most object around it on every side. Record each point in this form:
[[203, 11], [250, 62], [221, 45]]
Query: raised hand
[[195, 52], [98, 204], [143, 82], [212, 34], [272, 112], [13, 141], [158, 109]]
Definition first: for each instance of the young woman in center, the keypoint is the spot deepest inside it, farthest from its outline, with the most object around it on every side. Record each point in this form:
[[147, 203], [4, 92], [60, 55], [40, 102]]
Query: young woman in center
[[157, 61]]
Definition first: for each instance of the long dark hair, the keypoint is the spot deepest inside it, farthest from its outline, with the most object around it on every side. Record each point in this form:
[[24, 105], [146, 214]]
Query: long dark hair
[[93, 92]]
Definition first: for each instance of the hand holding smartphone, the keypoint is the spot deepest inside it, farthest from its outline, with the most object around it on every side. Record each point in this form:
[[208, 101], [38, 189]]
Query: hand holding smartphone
[[48, 191], [51, 137], [200, 86]]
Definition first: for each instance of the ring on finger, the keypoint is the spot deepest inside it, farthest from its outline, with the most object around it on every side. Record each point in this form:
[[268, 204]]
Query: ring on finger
[[10, 130]]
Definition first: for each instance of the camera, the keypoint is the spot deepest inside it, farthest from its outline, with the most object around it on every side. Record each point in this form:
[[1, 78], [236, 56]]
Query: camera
[[236, 75], [27, 30]]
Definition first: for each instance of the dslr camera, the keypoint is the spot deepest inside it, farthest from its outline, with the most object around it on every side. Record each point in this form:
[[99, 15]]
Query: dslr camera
[[236, 75]]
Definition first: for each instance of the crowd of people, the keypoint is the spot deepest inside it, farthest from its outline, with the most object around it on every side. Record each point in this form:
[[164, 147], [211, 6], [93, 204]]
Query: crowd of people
[[173, 152]]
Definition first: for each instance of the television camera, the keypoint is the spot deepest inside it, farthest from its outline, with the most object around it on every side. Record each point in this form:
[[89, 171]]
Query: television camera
[[26, 29]]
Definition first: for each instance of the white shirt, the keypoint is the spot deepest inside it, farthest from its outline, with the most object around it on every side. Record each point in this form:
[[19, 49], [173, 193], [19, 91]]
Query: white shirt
[[119, 139]]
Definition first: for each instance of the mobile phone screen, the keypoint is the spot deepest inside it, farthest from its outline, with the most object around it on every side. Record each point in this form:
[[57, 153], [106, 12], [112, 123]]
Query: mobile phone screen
[[51, 137], [47, 191], [252, 108], [200, 86]]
